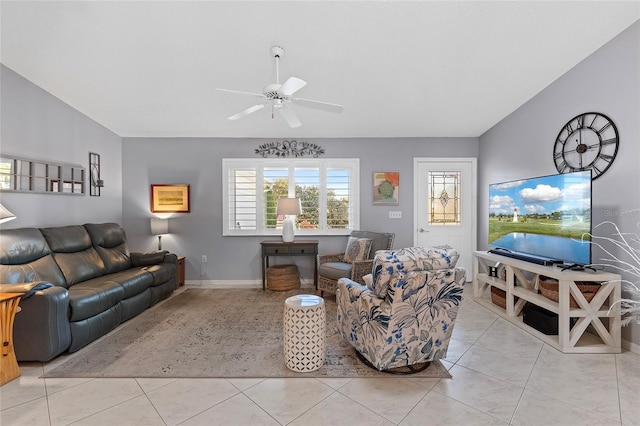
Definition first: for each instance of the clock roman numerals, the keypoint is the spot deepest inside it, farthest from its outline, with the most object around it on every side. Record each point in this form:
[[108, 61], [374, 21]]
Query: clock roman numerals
[[605, 127], [589, 141], [562, 167], [569, 128]]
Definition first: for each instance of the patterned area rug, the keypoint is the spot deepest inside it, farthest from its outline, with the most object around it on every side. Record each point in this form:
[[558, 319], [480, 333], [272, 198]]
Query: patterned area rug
[[214, 333]]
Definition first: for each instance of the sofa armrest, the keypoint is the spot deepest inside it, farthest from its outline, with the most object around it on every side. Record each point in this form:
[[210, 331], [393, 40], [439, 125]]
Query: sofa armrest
[[41, 329], [26, 289], [148, 259], [352, 295]]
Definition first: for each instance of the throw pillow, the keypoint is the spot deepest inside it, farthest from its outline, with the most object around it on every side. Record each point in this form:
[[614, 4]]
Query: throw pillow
[[357, 249], [368, 279]]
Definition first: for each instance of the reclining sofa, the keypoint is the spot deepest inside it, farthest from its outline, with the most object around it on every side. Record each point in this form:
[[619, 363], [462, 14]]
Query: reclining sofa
[[406, 312], [78, 282]]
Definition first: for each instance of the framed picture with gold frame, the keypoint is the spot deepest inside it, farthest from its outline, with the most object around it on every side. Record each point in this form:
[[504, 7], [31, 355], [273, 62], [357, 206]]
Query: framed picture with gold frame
[[170, 198], [386, 186]]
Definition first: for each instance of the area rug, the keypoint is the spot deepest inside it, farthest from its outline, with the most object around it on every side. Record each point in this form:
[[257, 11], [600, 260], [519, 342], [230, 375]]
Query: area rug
[[213, 333]]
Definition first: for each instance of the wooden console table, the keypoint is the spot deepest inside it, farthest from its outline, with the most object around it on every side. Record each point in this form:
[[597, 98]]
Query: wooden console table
[[294, 248], [9, 368], [520, 287]]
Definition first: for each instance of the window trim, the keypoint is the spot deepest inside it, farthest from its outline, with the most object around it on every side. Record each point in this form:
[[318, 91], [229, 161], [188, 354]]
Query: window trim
[[291, 163]]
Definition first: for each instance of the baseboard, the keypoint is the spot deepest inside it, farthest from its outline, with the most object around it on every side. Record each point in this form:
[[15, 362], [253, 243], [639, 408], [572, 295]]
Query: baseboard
[[630, 346], [233, 283]]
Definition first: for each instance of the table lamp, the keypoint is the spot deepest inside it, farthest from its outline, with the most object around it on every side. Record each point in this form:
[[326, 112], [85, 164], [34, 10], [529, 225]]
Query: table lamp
[[287, 207], [159, 227]]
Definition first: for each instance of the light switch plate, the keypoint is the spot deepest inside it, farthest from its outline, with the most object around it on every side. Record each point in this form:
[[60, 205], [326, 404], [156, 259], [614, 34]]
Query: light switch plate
[[395, 215]]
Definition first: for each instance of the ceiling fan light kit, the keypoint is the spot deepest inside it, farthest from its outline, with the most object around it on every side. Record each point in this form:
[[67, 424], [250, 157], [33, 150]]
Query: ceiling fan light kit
[[280, 97]]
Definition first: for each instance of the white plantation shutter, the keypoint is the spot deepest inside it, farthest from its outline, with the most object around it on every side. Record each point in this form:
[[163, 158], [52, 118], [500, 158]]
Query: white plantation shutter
[[328, 189]]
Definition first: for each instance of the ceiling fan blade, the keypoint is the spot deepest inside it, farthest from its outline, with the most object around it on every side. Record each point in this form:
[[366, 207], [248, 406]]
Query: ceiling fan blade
[[290, 117], [247, 112], [238, 92], [325, 106], [291, 86]]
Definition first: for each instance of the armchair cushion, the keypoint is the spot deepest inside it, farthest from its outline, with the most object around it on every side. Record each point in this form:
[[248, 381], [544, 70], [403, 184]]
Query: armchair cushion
[[388, 262], [357, 249], [335, 270]]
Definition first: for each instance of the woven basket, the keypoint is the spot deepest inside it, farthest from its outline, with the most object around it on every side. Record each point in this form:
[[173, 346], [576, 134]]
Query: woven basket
[[549, 289], [499, 297], [283, 277]]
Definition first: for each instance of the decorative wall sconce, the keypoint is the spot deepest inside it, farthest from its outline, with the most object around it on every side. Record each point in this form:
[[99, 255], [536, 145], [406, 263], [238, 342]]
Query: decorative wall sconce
[[94, 175]]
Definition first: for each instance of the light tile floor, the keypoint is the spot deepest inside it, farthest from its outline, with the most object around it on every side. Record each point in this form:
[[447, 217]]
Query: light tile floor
[[501, 376]]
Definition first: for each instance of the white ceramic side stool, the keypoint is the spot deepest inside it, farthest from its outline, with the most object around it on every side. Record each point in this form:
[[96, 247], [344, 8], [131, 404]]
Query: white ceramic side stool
[[304, 327]]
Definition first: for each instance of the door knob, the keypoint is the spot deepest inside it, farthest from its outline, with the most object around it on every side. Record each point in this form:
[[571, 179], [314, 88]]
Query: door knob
[[422, 230]]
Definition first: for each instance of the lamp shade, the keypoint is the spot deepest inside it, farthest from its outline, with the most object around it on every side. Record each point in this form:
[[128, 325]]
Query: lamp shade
[[288, 206], [5, 215], [159, 226]]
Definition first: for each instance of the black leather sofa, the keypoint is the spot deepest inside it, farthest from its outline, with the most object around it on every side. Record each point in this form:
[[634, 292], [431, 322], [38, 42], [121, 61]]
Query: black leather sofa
[[78, 282]]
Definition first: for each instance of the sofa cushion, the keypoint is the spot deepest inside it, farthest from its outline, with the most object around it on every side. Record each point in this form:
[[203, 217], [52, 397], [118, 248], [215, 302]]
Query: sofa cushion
[[335, 270], [25, 257], [357, 249], [389, 262], [74, 253], [110, 242], [93, 297], [134, 281]]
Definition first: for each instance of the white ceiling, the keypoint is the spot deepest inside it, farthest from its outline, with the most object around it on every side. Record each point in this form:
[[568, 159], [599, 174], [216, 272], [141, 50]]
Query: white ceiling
[[400, 68]]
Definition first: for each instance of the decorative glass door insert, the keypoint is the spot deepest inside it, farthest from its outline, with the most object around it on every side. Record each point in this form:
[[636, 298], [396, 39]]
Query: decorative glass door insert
[[444, 198]]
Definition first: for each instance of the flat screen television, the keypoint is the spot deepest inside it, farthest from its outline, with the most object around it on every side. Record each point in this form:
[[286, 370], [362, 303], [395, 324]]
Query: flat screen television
[[544, 219]]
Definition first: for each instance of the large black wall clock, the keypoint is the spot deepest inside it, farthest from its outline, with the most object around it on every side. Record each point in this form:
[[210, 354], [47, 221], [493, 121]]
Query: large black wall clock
[[589, 141]]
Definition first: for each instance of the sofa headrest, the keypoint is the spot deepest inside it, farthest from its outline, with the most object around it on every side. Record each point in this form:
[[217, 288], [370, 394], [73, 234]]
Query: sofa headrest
[[107, 235], [388, 262], [67, 239], [19, 246], [110, 242], [25, 257]]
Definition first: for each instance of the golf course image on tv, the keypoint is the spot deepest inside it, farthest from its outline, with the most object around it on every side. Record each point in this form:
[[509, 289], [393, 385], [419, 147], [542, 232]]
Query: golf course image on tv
[[547, 216]]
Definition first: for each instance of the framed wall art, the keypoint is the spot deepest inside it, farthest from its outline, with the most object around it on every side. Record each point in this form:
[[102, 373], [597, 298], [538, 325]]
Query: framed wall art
[[170, 198], [386, 187]]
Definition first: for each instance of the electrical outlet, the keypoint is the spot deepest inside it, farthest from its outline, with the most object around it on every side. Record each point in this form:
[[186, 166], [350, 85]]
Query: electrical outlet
[[204, 258], [395, 215]]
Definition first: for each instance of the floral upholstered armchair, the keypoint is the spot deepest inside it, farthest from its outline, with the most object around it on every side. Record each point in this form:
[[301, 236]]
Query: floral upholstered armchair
[[356, 260], [405, 314]]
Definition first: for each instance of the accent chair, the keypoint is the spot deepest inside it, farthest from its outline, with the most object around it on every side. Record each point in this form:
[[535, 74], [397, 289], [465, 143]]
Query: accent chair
[[405, 315], [354, 262]]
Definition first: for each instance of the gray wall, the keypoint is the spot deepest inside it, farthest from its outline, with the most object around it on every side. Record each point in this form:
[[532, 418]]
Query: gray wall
[[521, 145], [198, 162], [39, 126]]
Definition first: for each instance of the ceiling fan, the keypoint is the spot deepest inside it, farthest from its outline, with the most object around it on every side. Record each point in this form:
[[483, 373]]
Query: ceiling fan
[[280, 97]]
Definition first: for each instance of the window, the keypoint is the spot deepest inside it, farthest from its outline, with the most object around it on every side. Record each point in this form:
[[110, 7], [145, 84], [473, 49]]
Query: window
[[328, 192]]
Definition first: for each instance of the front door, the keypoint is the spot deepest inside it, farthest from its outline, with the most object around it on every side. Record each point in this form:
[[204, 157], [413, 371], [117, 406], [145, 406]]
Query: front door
[[445, 206]]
